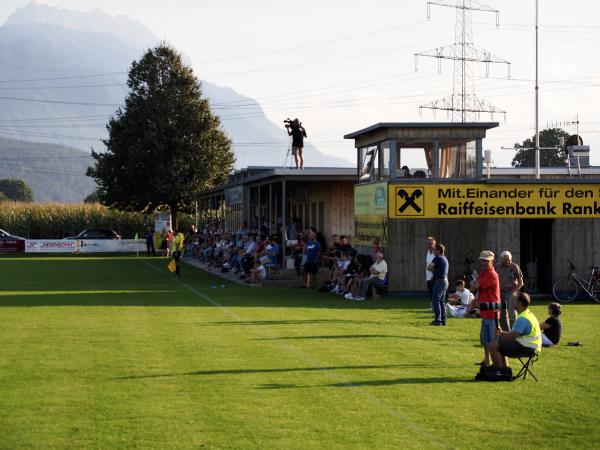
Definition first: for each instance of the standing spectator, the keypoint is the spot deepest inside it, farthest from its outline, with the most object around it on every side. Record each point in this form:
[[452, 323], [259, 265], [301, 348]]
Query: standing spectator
[[378, 272], [298, 253], [177, 249], [511, 280], [439, 270], [164, 246], [312, 250], [429, 255], [488, 302], [552, 326], [170, 237], [377, 245], [149, 236]]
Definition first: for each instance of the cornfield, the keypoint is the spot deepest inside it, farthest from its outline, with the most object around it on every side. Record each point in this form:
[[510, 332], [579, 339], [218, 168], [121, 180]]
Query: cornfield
[[58, 220]]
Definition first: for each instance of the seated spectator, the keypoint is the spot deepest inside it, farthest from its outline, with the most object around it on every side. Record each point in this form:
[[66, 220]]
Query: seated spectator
[[524, 340], [378, 272], [338, 280], [270, 255], [552, 326], [257, 274], [459, 301]]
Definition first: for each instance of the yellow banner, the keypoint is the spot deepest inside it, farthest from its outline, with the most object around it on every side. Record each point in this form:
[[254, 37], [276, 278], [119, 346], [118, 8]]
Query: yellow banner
[[494, 201], [370, 199], [369, 227]]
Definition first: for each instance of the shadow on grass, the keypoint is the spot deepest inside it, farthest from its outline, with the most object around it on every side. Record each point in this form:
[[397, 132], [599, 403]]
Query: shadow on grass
[[372, 383], [278, 370]]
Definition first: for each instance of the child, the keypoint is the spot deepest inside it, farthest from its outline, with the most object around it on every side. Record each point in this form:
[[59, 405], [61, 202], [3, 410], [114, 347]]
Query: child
[[460, 300], [552, 326], [258, 273]]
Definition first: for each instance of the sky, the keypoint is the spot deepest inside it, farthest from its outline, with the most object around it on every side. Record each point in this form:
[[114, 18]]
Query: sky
[[341, 66]]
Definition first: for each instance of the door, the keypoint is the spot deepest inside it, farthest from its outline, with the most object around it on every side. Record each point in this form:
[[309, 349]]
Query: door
[[536, 255]]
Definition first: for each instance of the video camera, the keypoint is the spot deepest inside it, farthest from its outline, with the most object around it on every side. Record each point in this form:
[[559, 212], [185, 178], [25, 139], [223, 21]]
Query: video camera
[[289, 123]]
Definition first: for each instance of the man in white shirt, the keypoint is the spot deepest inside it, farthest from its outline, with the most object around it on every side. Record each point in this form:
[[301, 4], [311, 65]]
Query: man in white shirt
[[429, 255], [459, 301]]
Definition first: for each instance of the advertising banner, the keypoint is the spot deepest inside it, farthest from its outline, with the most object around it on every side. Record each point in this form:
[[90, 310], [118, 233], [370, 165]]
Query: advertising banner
[[111, 246], [12, 246], [370, 213], [50, 246], [494, 201]]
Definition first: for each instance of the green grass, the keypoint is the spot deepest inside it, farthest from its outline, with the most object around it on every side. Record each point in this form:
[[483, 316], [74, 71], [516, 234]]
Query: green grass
[[116, 353]]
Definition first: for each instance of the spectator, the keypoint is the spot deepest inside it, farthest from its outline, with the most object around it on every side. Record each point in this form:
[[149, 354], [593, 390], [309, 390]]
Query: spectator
[[377, 271], [429, 255], [349, 274], [298, 253], [312, 250], [258, 273], [439, 269], [511, 280], [149, 237], [524, 340], [177, 249], [377, 245], [488, 302], [271, 253], [170, 237], [459, 301], [164, 246], [552, 326], [246, 256]]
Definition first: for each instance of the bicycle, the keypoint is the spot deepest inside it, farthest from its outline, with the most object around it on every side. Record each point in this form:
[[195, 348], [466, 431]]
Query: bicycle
[[566, 289]]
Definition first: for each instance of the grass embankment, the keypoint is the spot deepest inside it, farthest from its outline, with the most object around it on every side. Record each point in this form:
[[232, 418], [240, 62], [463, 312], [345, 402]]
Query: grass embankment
[[116, 353]]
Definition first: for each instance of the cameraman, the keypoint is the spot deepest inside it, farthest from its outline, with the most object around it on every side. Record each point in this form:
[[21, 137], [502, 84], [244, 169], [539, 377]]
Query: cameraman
[[298, 133]]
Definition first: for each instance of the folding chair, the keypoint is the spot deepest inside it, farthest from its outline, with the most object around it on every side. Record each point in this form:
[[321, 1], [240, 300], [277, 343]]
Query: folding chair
[[527, 366]]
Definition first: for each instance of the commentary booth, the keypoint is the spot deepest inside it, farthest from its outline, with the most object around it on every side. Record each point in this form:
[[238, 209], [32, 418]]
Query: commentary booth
[[542, 222]]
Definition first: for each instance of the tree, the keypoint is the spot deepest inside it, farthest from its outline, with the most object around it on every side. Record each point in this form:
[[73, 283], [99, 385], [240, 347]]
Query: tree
[[164, 144], [91, 198], [549, 137], [16, 190]]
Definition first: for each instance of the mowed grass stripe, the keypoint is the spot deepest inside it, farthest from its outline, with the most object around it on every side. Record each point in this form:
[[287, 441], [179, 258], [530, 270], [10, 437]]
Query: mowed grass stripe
[[289, 369]]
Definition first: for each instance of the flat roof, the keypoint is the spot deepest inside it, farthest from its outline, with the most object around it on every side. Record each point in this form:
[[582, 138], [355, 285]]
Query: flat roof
[[432, 125], [306, 174]]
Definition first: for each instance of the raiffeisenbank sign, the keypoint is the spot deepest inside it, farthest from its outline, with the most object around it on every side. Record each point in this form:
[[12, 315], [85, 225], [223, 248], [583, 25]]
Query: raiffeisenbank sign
[[494, 201]]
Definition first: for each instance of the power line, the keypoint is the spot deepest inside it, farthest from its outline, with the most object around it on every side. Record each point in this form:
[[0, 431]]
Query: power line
[[62, 87], [62, 102], [73, 77]]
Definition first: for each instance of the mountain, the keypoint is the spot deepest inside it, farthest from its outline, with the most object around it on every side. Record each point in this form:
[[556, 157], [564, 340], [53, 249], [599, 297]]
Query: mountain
[[64, 72], [54, 172]]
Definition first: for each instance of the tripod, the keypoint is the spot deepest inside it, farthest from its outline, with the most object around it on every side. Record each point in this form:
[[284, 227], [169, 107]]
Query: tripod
[[288, 155]]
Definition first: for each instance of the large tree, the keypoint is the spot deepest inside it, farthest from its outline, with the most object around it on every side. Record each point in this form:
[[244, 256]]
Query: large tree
[[550, 137], [164, 144], [16, 190]]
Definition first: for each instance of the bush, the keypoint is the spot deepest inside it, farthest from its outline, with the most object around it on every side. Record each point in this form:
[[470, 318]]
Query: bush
[[58, 220]]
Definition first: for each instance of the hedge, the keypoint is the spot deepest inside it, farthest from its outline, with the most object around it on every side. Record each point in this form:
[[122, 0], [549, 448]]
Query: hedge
[[58, 220]]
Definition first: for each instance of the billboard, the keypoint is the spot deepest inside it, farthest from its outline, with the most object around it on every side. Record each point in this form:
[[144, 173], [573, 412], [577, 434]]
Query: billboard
[[494, 201], [370, 213], [50, 246]]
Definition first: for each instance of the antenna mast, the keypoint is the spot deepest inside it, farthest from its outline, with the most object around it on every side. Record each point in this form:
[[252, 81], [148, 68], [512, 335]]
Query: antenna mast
[[463, 105]]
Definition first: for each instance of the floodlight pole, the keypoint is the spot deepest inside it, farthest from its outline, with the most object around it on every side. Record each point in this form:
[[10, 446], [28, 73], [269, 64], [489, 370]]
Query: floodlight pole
[[537, 102]]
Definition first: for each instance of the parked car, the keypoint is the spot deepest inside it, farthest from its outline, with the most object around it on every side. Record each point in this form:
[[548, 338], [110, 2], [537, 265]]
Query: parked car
[[6, 236], [96, 234], [10, 243]]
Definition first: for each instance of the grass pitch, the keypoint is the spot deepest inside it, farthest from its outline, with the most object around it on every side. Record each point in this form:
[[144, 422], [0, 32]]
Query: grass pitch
[[114, 352]]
